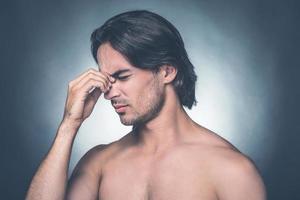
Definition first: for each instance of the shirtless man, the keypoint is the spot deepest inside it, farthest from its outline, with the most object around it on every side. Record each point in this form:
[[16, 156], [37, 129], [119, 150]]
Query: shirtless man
[[146, 74]]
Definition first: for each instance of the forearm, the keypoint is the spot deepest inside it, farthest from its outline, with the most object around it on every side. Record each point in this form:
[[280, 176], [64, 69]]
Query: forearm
[[50, 180]]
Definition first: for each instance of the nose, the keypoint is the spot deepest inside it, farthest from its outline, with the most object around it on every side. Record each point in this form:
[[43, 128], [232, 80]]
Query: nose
[[112, 92]]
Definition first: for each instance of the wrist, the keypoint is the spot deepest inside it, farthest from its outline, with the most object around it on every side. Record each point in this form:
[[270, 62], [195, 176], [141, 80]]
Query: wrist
[[71, 123], [69, 127]]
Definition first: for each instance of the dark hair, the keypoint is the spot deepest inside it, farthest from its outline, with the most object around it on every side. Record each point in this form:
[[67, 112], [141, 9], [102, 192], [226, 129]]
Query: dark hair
[[149, 41]]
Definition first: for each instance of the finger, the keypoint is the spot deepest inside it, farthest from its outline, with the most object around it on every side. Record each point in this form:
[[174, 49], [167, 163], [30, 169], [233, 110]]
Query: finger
[[91, 90], [107, 76], [81, 76], [95, 94], [93, 76], [111, 79], [92, 98], [86, 74], [93, 83]]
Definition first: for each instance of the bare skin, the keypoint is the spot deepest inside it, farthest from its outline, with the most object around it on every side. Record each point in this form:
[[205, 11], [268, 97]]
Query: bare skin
[[199, 165], [167, 156]]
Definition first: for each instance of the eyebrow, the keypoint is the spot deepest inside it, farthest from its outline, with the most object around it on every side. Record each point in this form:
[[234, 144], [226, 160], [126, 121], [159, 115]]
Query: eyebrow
[[118, 72]]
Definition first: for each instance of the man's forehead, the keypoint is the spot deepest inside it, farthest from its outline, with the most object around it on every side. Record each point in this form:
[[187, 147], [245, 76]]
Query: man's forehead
[[114, 70], [111, 61]]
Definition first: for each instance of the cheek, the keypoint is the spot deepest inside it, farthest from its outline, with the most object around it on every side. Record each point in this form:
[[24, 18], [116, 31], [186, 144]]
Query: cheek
[[130, 92], [138, 90]]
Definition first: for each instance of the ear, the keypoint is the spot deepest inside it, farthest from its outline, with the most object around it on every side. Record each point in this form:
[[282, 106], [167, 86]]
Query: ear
[[168, 73]]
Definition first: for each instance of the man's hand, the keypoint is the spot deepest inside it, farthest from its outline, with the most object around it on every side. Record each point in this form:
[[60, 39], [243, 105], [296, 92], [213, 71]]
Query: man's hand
[[83, 93], [50, 180]]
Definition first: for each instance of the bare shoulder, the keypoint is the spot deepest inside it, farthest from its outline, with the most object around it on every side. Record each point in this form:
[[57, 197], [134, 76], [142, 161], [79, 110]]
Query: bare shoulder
[[85, 178], [234, 174], [98, 155], [89, 162]]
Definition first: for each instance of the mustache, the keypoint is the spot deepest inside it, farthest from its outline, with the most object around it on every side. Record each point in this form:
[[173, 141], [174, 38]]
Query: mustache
[[118, 101]]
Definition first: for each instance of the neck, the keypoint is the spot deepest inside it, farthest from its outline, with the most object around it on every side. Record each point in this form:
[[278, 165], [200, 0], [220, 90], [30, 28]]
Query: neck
[[167, 129]]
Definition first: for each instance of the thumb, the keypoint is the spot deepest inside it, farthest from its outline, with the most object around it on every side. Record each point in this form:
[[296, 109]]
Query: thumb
[[93, 96], [96, 94]]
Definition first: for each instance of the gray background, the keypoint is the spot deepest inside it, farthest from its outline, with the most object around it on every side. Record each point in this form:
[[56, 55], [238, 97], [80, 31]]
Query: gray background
[[245, 55]]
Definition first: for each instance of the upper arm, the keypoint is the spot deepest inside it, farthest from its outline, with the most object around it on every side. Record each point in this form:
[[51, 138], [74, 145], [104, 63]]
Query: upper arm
[[239, 179], [85, 179]]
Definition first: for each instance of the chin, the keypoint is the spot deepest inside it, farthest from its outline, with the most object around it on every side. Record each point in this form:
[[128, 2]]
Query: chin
[[126, 123], [125, 120]]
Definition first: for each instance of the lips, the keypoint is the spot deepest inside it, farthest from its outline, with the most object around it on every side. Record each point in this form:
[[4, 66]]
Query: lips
[[120, 108]]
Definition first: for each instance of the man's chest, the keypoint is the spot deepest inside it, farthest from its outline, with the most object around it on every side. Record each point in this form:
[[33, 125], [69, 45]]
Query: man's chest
[[174, 177]]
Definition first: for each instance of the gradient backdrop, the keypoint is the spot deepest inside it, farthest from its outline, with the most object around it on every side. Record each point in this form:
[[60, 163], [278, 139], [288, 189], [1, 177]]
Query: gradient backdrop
[[246, 55]]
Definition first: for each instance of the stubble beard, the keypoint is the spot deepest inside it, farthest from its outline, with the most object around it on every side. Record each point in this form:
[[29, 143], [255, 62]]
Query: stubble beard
[[151, 103]]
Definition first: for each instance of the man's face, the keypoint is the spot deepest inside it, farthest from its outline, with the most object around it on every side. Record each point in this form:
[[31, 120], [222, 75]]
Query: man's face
[[137, 94]]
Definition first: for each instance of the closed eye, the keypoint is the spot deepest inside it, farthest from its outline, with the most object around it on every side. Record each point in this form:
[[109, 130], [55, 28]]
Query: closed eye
[[122, 78]]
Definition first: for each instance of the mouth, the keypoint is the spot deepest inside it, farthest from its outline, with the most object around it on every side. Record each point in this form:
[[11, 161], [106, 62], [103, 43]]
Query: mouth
[[120, 108]]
